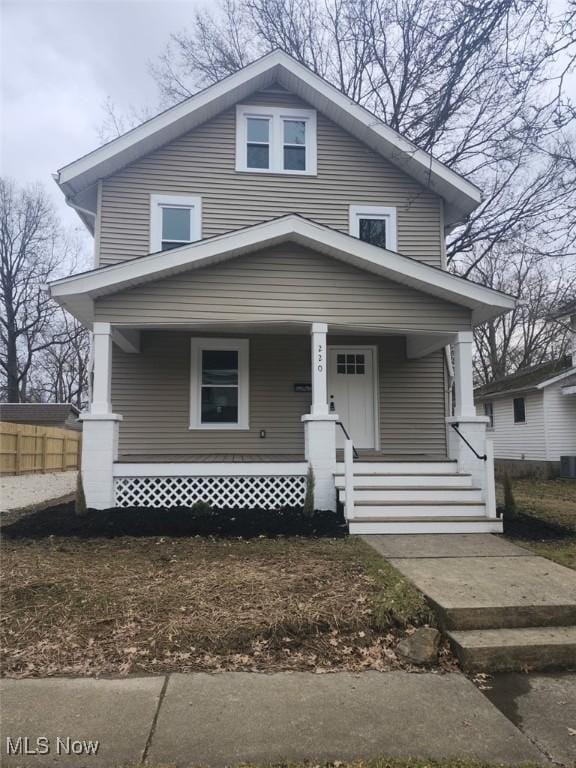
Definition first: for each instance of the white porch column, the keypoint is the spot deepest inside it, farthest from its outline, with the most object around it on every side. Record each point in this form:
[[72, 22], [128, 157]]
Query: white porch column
[[100, 425], [470, 426], [319, 333], [463, 375], [320, 425]]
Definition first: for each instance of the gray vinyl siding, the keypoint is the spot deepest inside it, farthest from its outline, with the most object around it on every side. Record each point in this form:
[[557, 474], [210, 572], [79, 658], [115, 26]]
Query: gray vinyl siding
[[282, 284], [203, 163], [151, 391]]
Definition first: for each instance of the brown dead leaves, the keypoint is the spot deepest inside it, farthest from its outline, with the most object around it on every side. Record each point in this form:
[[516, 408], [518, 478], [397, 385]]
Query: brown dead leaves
[[158, 605]]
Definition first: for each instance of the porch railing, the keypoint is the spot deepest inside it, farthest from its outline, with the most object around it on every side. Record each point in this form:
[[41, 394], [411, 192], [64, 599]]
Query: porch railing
[[350, 453]]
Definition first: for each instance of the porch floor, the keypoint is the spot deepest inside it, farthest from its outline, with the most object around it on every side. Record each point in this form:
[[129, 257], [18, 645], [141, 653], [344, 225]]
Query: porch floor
[[214, 458]]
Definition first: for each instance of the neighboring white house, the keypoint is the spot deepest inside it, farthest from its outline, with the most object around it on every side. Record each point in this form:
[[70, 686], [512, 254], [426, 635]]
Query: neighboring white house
[[532, 416]]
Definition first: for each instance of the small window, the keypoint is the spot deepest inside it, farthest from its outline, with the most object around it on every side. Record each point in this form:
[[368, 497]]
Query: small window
[[174, 221], [489, 412], [374, 224], [350, 364], [275, 140], [519, 410], [219, 384]]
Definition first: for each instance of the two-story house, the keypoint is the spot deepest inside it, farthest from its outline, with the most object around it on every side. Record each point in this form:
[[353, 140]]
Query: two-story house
[[270, 294]]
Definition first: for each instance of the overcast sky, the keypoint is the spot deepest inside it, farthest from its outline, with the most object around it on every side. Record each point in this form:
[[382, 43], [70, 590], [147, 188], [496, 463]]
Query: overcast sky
[[61, 59]]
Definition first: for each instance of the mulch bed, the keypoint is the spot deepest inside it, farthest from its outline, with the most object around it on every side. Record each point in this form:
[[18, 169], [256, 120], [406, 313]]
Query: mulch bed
[[201, 520]]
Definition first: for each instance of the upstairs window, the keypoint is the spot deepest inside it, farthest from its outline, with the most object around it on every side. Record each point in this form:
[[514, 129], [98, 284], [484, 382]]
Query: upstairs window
[[374, 224], [175, 220], [275, 140], [519, 410]]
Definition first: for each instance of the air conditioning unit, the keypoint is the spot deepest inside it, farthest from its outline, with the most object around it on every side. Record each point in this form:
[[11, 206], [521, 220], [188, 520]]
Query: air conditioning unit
[[568, 466]]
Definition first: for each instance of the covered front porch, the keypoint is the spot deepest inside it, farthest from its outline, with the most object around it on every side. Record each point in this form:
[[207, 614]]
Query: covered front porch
[[154, 463]]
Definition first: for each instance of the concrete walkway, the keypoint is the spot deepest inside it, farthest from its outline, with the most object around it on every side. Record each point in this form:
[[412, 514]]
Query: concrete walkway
[[503, 608], [230, 718]]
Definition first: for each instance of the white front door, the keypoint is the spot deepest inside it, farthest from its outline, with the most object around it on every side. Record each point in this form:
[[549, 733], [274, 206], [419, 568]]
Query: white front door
[[351, 393]]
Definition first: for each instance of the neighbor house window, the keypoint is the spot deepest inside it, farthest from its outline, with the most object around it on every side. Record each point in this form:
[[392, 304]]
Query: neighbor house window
[[374, 224], [219, 384], [489, 412], [175, 220], [519, 410], [275, 140]]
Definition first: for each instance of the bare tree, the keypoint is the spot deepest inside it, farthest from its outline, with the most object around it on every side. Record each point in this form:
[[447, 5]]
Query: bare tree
[[33, 250], [482, 86], [60, 370], [527, 335]]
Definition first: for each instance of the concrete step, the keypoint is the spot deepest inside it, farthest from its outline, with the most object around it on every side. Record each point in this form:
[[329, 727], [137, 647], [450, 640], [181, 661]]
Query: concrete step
[[415, 525], [408, 494], [505, 650], [400, 467], [383, 510], [384, 480]]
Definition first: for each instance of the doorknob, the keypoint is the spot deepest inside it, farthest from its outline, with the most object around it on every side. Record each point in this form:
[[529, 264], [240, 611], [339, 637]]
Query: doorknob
[[332, 405]]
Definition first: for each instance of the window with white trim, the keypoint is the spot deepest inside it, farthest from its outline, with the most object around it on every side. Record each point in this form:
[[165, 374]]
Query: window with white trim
[[219, 384], [375, 224], [275, 140], [175, 220]]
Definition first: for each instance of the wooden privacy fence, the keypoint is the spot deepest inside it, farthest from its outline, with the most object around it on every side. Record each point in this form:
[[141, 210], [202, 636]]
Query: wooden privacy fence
[[27, 448]]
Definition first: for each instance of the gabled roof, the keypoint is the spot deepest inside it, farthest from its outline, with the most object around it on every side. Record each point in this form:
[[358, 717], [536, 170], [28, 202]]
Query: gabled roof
[[78, 179], [78, 292], [535, 377]]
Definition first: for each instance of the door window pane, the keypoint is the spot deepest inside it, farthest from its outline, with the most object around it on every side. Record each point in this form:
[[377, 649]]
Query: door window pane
[[350, 364], [373, 231], [176, 224], [219, 405]]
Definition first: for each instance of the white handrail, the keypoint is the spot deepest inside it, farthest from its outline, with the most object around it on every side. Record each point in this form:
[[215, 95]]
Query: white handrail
[[349, 478]]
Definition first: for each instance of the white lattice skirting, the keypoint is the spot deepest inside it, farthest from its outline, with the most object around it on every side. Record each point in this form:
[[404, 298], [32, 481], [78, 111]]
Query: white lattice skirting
[[231, 492]]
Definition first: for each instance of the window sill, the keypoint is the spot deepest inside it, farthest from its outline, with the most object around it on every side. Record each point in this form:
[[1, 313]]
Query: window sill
[[212, 427], [274, 172]]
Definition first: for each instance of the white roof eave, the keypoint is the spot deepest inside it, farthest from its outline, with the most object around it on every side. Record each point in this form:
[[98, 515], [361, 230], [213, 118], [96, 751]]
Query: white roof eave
[[461, 196], [78, 291]]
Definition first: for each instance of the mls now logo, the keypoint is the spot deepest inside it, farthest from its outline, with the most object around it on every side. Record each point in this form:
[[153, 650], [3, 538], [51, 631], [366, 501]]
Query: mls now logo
[[24, 745]]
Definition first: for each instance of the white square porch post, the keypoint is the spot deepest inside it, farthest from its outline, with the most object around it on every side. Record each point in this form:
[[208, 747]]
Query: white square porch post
[[100, 425], [320, 425], [471, 426]]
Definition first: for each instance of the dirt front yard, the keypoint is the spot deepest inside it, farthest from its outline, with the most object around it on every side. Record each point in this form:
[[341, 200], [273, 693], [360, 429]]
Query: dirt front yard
[[546, 521], [126, 605]]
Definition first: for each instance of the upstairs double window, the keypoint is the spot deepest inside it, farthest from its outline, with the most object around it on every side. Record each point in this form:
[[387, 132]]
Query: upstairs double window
[[275, 140]]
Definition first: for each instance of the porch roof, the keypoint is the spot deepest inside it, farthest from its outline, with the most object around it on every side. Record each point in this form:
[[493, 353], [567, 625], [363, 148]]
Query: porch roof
[[78, 292]]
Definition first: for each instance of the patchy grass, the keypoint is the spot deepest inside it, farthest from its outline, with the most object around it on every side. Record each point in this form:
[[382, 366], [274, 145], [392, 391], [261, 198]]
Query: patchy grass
[[547, 518], [121, 606]]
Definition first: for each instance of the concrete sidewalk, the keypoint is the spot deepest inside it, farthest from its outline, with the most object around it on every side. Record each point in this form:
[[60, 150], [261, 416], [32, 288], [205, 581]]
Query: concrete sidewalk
[[229, 718]]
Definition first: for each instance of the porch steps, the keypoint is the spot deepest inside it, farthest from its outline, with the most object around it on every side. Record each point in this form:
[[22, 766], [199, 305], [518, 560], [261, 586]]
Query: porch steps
[[414, 497], [412, 525]]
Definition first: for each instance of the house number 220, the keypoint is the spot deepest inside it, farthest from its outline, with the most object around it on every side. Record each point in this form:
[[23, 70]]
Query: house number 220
[[320, 358]]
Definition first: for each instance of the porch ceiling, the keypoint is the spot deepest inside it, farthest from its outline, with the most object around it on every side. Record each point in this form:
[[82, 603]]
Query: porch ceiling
[[418, 343]]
